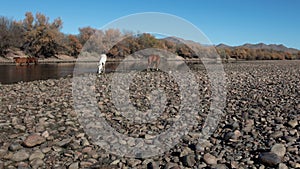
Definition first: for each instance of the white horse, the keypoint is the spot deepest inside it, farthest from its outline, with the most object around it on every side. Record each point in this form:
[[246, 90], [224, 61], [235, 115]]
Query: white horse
[[101, 64]]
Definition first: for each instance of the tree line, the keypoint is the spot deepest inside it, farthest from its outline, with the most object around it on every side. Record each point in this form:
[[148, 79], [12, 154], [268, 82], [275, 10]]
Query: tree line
[[38, 37]]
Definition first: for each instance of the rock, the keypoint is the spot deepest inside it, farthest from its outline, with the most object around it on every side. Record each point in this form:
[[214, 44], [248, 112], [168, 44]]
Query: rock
[[279, 149], [20, 155], [152, 165], [1, 164], [85, 164], [37, 163], [2, 152], [37, 155], [133, 162], [282, 166], [63, 142], [269, 159], [219, 166], [45, 134], [33, 140], [276, 134], [188, 160], [171, 166], [209, 159], [293, 123], [74, 166], [15, 147]]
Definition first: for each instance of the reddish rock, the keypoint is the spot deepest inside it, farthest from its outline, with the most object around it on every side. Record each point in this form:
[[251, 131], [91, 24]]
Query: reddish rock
[[33, 140]]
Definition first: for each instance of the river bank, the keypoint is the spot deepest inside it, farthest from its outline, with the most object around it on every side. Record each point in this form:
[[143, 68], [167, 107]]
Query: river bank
[[39, 127]]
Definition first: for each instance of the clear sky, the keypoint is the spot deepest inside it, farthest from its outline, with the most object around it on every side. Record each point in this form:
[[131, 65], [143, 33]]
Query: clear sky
[[233, 22]]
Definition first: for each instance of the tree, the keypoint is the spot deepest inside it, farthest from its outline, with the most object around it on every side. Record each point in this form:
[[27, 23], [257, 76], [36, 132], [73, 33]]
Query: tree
[[75, 45], [41, 37]]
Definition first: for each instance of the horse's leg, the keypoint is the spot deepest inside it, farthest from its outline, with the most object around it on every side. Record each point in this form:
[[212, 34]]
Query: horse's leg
[[103, 66]]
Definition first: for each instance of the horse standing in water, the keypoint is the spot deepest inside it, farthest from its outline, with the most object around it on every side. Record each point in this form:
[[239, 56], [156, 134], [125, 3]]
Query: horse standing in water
[[153, 60], [25, 60], [101, 64]]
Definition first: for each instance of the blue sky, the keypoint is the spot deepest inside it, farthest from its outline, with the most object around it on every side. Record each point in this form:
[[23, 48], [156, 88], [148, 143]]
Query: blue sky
[[232, 22]]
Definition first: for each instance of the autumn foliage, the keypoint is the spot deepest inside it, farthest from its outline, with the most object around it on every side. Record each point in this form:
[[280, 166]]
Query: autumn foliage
[[37, 36]]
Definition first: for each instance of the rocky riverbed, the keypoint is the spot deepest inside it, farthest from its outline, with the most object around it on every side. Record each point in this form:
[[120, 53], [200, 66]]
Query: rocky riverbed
[[259, 128]]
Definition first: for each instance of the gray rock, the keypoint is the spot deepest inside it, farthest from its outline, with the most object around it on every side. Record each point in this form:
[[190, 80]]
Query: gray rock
[[269, 159], [188, 160], [152, 165], [282, 166], [209, 159], [1, 164], [63, 142], [74, 166], [15, 147], [37, 163], [37, 155], [293, 123], [20, 155], [277, 134], [279, 149]]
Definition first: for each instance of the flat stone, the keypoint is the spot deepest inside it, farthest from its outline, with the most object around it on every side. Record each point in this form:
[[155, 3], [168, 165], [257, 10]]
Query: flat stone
[[209, 159], [33, 140], [279, 149], [37, 155], [269, 159], [15, 147], [189, 160], [36, 163], [74, 166], [293, 123], [63, 142], [20, 155], [282, 166]]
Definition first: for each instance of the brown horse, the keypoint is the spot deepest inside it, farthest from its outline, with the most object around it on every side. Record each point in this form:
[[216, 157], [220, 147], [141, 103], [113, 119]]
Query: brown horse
[[153, 59], [24, 60]]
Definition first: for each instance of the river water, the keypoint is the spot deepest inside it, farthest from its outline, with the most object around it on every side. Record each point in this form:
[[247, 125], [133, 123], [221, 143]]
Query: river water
[[13, 74]]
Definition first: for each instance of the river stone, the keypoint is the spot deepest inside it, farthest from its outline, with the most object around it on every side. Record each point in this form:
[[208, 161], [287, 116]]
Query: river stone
[[282, 166], [37, 155], [20, 156], [209, 159], [189, 160], [15, 147], [152, 165], [279, 149], [1, 164], [36, 163], [74, 166], [33, 140], [293, 123], [270, 159]]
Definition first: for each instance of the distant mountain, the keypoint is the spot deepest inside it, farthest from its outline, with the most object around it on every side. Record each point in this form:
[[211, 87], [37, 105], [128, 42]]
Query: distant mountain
[[274, 47], [222, 45]]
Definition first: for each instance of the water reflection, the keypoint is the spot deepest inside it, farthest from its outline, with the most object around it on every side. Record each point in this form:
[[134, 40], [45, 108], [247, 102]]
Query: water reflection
[[13, 74]]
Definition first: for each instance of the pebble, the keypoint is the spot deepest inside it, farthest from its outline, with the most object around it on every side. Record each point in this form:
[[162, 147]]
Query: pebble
[[37, 155], [209, 159], [279, 149], [293, 123], [282, 166], [74, 166], [269, 159], [188, 160], [20, 155], [15, 147], [33, 140]]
